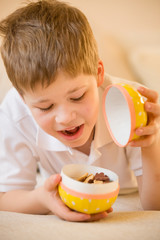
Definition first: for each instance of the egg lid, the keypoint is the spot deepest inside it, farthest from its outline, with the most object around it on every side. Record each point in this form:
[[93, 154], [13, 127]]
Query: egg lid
[[119, 101]]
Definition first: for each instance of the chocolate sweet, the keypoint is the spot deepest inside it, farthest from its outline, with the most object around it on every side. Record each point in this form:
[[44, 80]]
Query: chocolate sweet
[[98, 178]]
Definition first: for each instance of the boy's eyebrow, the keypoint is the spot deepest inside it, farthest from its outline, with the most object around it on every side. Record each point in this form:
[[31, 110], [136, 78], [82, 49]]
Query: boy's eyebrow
[[41, 101], [76, 89], [69, 92]]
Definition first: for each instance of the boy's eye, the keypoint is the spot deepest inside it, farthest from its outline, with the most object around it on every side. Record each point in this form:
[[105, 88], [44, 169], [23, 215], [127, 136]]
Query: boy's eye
[[46, 109], [79, 98]]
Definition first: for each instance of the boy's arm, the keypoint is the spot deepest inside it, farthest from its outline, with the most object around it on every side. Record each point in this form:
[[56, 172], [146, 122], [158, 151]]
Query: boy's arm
[[149, 182], [43, 200], [21, 201], [24, 201]]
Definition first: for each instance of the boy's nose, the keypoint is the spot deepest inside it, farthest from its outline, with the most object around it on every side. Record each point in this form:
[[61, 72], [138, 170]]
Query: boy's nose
[[65, 116]]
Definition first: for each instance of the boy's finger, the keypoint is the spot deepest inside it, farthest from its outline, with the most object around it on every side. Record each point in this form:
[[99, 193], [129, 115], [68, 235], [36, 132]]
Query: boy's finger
[[97, 216], [152, 108], [148, 130], [110, 210], [73, 216], [52, 182], [64, 212], [67, 214], [148, 93], [142, 142]]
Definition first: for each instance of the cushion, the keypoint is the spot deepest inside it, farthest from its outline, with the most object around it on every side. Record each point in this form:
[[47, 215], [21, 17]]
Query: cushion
[[145, 62]]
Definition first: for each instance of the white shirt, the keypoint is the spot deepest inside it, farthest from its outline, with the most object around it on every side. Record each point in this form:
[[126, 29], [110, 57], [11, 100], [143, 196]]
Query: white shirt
[[23, 144]]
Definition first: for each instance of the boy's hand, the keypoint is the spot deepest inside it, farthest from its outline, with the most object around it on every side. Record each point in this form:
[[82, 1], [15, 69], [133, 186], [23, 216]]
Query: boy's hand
[[56, 206], [150, 133]]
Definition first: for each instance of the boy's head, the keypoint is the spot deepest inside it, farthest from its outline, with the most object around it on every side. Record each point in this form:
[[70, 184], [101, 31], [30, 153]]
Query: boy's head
[[43, 38]]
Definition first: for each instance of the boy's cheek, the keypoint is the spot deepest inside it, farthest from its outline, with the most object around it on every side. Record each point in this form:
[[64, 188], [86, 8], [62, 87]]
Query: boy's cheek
[[43, 123], [41, 120]]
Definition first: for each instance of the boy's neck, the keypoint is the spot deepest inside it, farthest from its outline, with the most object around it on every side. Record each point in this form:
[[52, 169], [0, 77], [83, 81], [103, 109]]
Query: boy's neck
[[87, 146]]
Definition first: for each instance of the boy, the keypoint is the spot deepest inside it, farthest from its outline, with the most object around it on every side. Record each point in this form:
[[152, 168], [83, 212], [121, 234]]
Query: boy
[[53, 114]]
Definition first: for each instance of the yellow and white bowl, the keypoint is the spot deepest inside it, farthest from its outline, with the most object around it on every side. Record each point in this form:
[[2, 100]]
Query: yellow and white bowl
[[86, 197], [123, 108]]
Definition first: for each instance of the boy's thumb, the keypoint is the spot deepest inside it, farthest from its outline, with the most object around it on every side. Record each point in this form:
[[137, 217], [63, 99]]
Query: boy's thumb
[[52, 182]]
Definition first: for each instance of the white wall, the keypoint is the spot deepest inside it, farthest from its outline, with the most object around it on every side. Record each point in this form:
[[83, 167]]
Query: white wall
[[119, 27], [131, 21]]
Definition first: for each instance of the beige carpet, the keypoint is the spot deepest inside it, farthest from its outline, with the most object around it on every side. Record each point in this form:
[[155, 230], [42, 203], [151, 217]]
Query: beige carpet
[[127, 222]]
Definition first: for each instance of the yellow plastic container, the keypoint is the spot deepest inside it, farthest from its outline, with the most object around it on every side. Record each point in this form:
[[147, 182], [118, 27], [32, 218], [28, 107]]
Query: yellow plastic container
[[86, 197]]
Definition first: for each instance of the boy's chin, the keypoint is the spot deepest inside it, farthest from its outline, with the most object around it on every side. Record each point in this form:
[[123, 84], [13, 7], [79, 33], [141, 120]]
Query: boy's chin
[[76, 145], [80, 145]]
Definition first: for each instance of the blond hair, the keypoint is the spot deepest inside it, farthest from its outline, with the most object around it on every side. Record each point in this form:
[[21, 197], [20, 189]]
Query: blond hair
[[44, 37]]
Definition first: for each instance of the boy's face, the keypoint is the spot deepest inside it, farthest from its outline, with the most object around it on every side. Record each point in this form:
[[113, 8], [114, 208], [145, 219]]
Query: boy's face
[[67, 109]]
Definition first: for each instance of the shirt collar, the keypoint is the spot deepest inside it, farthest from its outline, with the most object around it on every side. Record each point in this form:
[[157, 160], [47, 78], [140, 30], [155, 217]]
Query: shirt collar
[[50, 143]]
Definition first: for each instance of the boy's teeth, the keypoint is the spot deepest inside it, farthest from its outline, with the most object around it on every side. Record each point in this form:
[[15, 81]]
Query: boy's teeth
[[71, 131]]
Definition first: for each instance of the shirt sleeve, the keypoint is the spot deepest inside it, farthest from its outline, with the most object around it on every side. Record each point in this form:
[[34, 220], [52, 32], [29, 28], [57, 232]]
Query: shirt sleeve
[[135, 159], [18, 164]]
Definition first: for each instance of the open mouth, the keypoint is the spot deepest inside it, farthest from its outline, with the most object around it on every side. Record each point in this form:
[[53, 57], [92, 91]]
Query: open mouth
[[72, 133]]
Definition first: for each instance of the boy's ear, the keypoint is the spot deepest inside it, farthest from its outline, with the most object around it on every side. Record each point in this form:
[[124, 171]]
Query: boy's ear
[[100, 74]]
